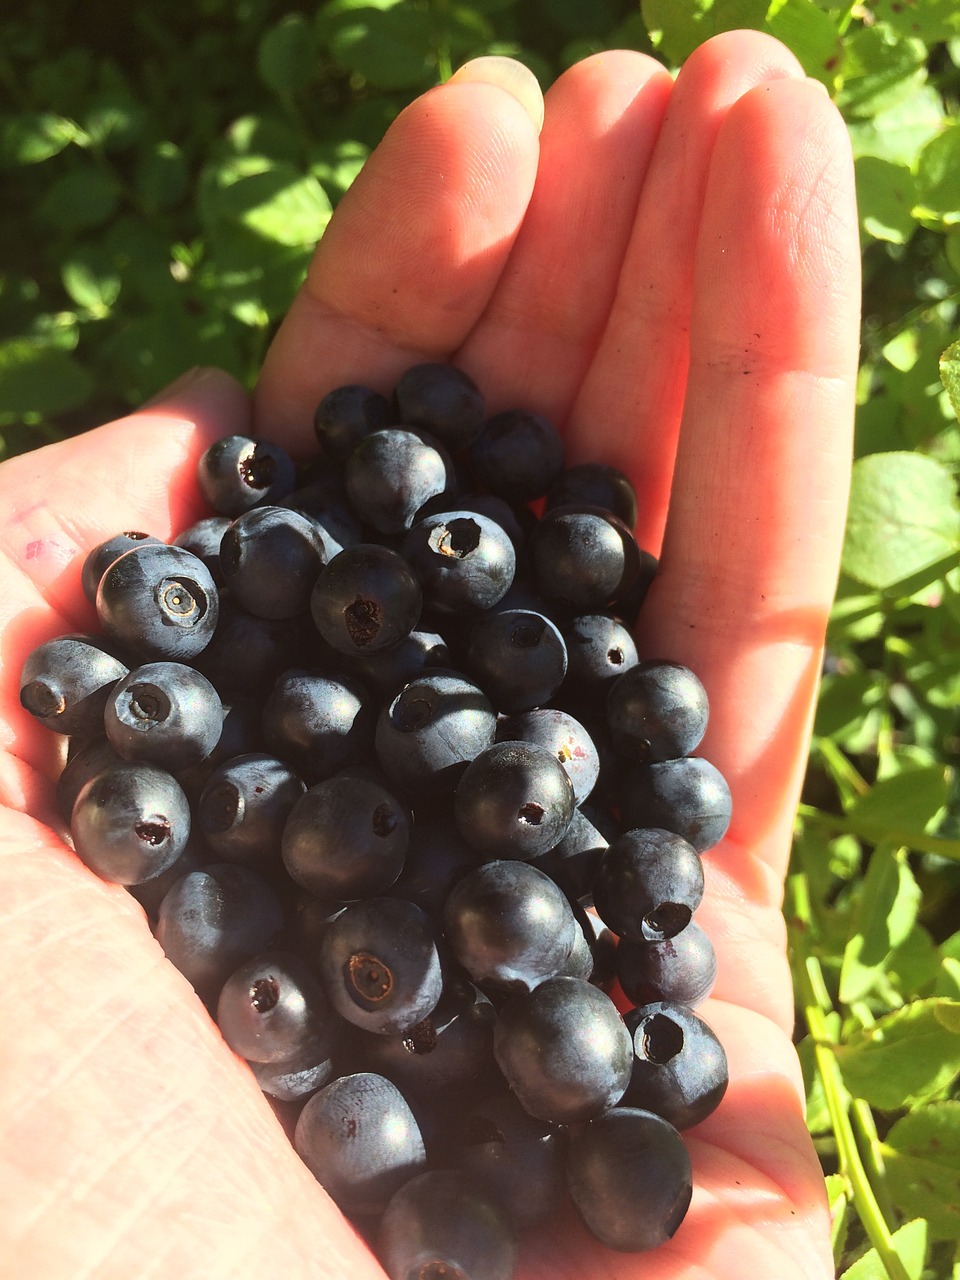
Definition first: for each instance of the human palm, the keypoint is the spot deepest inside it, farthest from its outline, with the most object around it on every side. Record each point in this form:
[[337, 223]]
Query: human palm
[[671, 275]]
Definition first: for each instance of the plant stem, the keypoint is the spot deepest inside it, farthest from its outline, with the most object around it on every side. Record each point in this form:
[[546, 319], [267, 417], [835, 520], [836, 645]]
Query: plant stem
[[915, 840], [839, 1106]]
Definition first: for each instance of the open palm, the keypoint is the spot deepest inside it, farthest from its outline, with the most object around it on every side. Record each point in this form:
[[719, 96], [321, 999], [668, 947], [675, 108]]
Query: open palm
[[670, 273]]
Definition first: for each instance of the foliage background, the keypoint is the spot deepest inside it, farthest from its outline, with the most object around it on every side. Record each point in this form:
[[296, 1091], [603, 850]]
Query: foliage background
[[166, 176]]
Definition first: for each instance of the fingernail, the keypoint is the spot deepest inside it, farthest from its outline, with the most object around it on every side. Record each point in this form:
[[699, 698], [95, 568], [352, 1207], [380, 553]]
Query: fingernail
[[188, 381], [507, 74], [820, 85]]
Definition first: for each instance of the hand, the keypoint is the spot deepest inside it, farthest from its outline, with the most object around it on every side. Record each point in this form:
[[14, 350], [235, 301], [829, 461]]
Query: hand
[[671, 273]]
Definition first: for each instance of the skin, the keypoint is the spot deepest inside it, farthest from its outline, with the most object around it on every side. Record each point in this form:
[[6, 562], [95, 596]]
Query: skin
[[671, 272]]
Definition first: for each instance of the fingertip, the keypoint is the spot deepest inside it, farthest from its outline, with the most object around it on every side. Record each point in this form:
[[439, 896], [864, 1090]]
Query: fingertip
[[510, 75]]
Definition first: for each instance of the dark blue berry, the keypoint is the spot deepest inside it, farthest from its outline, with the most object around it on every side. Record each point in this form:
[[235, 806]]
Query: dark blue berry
[[270, 559], [273, 1009], [130, 823], [465, 562], [648, 884], [366, 600], [441, 1226], [681, 969], [319, 724], [657, 711], [237, 473], [518, 657], [380, 965], [347, 414], [562, 735], [99, 560], [66, 684], [164, 713], [160, 601], [564, 1050], [689, 796], [244, 806], [517, 456], [584, 558], [514, 800], [595, 484], [359, 1139], [392, 473], [679, 1067], [442, 400], [630, 1177]]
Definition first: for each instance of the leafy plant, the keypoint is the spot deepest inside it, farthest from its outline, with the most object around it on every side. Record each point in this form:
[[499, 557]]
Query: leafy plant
[[166, 179]]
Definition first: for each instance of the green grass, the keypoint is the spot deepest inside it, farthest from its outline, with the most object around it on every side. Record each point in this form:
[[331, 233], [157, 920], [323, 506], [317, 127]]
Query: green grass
[[165, 181]]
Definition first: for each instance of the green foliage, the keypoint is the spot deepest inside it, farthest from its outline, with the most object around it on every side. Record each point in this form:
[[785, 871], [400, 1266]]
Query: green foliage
[[166, 175]]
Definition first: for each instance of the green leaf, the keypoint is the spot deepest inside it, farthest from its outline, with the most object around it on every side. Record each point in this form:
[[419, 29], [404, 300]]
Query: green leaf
[[337, 166], [909, 801], [34, 136], [843, 700], [938, 178], [810, 34], [886, 194], [115, 121], [838, 1198], [910, 1243], [40, 379], [391, 49], [903, 516], [887, 911], [273, 199], [161, 176], [79, 200], [921, 1154], [906, 1057], [950, 375], [264, 135], [880, 69], [91, 280], [286, 58], [677, 29], [898, 132], [927, 20]]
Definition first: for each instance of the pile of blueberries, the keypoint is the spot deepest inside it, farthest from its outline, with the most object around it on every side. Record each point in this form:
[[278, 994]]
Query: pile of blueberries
[[373, 748]]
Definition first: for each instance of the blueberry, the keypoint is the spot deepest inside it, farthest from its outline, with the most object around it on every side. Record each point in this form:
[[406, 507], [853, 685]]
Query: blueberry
[[509, 925], [599, 650], [430, 731], [317, 723], [392, 473], [380, 965], [442, 400], [270, 559], [681, 969], [89, 759], [214, 919], [292, 1081], [66, 683], [203, 539], [518, 1160], [164, 713], [366, 600], [346, 838], [102, 556], [359, 1139], [689, 796], [436, 859], [629, 1175], [679, 1067], [345, 415], [562, 735], [564, 1050], [648, 884], [584, 558], [160, 601], [657, 711], [574, 861], [514, 800], [465, 562], [130, 823], [441, 1226], [595, 484], [449, 1051], [273, 1009], [517, 456], [249, 652], [518, 657], [236, 473], [387, 671], [243, 808]]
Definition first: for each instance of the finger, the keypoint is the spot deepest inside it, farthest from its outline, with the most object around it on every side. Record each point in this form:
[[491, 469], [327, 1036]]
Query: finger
[[628, 410], [132, 1141], [411, 256], [57, 503], [532, 345], [756, 519]]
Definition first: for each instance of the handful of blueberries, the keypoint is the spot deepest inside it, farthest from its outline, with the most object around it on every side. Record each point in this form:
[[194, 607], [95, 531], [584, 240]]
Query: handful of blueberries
[[367, 744]]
